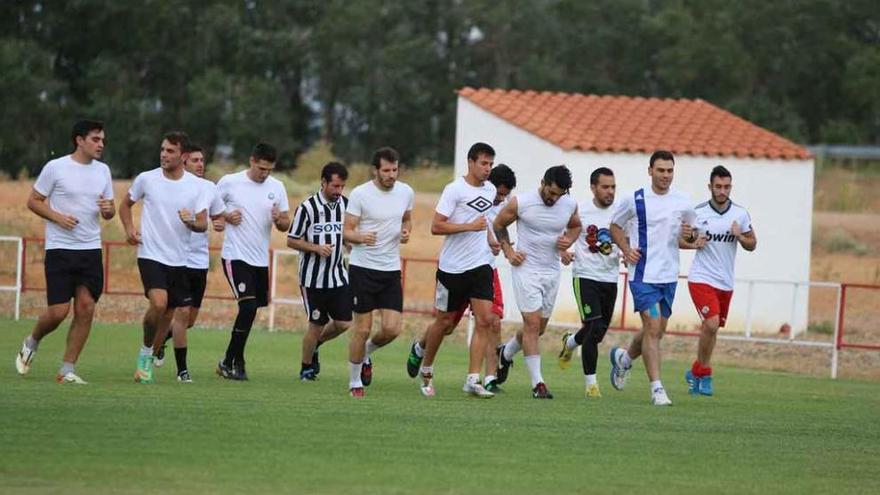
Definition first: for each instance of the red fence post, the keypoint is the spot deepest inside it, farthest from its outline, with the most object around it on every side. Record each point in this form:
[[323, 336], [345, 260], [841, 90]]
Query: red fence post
[[840, 318]]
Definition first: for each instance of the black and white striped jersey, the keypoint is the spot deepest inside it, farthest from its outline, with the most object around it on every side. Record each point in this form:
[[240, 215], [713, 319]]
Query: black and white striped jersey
[[320, 222]]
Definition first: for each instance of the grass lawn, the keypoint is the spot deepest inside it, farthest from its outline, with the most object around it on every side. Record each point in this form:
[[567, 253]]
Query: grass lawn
[[763, 432]]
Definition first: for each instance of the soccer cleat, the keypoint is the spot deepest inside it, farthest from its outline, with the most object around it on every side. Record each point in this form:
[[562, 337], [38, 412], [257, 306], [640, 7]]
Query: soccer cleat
[[659, 397], [503, 365], [308, 375], [184, 377], [477, 390], [160, 357], [367, 372], [565, 353], [692, 381], [427, 386], [225, 371], [70, 377], [23, 359], [492, 386], [144, 372], [704, 386], [413, 362], [619, 374], [356, 392], [239, 371], [540, 392], [593, 391], [316, 363]]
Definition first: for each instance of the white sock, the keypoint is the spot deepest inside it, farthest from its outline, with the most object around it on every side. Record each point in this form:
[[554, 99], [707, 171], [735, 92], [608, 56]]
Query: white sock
[[489, 378], [66, 368], [370, 347], [591, 379], [354, 375], [570, 343], [31, 343], [146, 351], [511, 348], [655, 385], [534, 365], [473, 378], [427, 370], [624, 359], [419, 351]]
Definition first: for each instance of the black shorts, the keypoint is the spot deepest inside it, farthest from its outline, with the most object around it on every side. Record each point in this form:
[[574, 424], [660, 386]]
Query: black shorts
[[323, 304], [375, 289], [172, 279], [247, 281], [198, 280], [66, 269], [595, 300], [455, 290]]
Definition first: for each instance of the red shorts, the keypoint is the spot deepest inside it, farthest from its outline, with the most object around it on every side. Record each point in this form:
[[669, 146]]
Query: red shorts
[[710, 301], [497, 299]]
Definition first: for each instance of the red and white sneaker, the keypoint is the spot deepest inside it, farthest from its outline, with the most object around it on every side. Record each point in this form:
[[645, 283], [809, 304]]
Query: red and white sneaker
[[356, 392], [427, 386]]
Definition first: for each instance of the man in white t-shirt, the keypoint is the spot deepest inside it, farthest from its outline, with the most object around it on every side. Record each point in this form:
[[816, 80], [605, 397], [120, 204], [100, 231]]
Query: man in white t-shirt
[[378, 219], [197, 264], [547, 224], [504, 180], [72, 193], [255, 202], [174, 206], [595, 273], [721, 225], [662, 216], [464, 273]]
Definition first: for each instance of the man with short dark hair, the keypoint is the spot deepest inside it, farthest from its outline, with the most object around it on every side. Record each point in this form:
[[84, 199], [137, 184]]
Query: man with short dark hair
[[174, 206], [547, 224], [71, 193], [595, 273], [722, 225], [662, 217], [255, 202], [316, 232], [377, 221]]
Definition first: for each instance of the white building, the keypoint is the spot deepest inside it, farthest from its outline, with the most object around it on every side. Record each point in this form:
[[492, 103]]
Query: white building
[[772, 178]]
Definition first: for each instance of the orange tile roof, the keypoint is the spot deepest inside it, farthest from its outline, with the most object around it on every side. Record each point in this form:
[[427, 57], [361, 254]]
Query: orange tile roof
[[605, 124]]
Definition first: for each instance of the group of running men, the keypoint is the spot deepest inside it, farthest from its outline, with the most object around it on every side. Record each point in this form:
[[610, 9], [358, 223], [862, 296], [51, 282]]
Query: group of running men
[[646, 229]]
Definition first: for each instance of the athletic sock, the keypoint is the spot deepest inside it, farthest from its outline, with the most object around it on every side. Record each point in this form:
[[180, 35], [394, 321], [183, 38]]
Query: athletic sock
[[699, 370], [370, 347], [235, 350], [489, 379], [180, 357], [511, 348], [146, 351], [591, 379], [65, 368], [31, 343], [420, 352], [427, 370], [571, 343], [472, 378], [534, 365], [655, 385], [354, 375]]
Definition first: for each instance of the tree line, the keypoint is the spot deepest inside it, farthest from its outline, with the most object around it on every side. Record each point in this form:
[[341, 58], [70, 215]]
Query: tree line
[[366, 73]]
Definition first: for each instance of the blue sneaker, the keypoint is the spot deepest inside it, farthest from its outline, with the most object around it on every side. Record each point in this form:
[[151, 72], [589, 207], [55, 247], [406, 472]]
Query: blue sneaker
[[619, 374], [705, 385], [692, 381]]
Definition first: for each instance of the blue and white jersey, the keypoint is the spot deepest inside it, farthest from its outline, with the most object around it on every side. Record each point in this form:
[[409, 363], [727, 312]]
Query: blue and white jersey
[[657, 225], [714, 263]]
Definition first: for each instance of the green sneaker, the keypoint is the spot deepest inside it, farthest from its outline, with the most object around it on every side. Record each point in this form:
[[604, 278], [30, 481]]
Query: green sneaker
[[144, 371]]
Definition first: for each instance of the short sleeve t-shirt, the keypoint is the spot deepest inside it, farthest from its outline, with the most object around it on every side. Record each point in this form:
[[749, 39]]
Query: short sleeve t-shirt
[[198, 256], [596, 256], [490, 218], [657, 225], [164, 237], [380, 212], [74, 189], [537, 229], [714, 263], [249, 241], [463, 203]]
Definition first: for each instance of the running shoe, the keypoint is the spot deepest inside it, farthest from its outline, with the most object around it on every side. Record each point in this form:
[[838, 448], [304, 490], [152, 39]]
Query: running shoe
[[427, 385], [565, 353], [540, 392], [23, 359], [413, 362], [619, 374], [356, 392], [70, 378], [144, 372], [184, 377], [693, 382], [477, 390], [593, 391], [659, 397], [367, 372], [704, 387], [503, 365], [160, 357]]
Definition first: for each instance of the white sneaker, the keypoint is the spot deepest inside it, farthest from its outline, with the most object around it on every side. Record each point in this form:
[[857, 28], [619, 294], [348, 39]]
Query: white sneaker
[[427, 386], [619, 373], [659, 397], [70, 378], [23, 359], [477, 390]]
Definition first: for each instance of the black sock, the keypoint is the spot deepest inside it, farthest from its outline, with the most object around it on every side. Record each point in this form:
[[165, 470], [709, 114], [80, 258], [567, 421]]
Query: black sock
[[180, 357], [235, 350]]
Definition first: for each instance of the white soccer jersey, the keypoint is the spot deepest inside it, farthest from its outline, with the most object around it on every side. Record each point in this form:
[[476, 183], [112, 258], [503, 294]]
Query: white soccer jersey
[[381, 212], [596, 256], [490, 218], [164, 237], [657, 226], [249, 240], [198, 256], [74, 188], [714, 263], [463, 203], [538, 226]]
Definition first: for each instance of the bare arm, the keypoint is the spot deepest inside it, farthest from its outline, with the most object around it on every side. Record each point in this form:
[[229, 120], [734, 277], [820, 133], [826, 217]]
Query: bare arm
[[440, 225], [351, 235], [405, 226], [618, 235], [281, 219], [107, 208], [506, 217], [38, 204], [198, 223], [132, 234], [747, 240], [304, 246], [572, 231]]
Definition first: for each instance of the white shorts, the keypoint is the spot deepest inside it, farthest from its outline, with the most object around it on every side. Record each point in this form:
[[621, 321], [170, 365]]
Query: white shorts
[[535, 291]]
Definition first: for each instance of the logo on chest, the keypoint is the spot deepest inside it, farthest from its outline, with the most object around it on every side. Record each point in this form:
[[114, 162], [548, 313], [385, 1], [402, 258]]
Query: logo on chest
[[480, 204], [327, 228]]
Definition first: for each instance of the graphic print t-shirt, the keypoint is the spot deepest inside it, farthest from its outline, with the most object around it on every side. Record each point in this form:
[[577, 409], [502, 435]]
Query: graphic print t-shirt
[[464, 203]]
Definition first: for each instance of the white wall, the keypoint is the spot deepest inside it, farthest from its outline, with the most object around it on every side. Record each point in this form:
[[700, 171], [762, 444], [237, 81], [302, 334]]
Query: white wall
[[777, 193]]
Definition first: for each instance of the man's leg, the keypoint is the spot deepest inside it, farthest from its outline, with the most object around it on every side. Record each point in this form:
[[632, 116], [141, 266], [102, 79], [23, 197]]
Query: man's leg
[[47, 322], [492, 344], [363, 324], [80, 326], [232, 364], [179, 324]]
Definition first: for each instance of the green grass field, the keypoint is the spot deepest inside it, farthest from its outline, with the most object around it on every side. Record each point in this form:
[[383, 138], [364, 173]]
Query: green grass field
[[762, 433]]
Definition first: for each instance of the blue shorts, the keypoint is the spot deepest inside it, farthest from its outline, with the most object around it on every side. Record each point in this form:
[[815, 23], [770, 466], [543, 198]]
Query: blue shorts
[[645, 296]]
